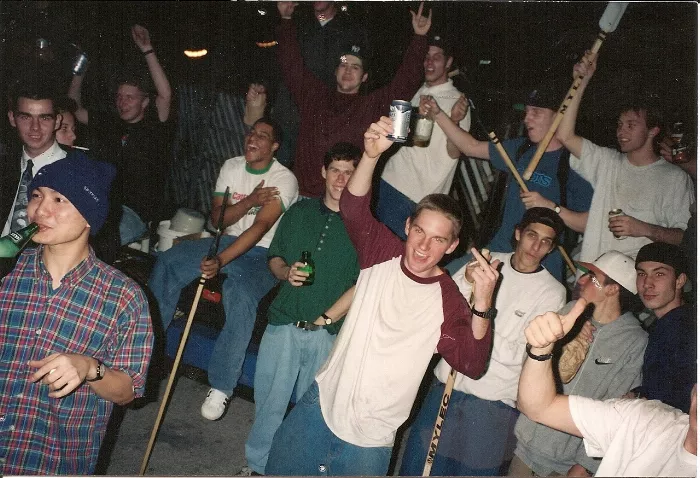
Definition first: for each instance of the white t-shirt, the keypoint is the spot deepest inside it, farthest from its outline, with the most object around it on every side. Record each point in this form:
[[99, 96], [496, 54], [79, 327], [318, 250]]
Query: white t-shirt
[[242, 180], [51, 155], [659, 193], [416, 171], [634, 437], [520, 299]]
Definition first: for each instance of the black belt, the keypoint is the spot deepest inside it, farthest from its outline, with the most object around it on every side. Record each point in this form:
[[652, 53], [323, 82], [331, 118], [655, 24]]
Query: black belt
[[302, 324]]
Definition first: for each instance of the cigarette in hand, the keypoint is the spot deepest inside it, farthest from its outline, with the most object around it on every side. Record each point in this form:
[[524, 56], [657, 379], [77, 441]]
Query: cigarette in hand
[[484, 252]]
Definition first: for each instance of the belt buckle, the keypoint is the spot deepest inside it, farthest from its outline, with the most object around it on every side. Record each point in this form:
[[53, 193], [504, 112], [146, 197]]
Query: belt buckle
[[304, 325]]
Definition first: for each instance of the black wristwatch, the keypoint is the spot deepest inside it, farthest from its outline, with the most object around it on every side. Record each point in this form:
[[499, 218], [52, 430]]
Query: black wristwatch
[[557, 208], [100, 372], [539, 358], [490, 313], [326, 320]]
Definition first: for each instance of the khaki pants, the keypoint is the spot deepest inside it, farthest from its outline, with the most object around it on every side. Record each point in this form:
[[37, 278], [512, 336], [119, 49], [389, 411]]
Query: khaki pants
[[519, 468]]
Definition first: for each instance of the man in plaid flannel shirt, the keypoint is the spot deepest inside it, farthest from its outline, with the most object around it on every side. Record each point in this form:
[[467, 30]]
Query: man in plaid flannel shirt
[[75, 334]]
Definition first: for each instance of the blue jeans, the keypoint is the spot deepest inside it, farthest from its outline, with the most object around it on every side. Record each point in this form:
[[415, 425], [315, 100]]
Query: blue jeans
[[288, 356], [247, 281], [393, 208], [477, 436], [131, 227], [304, 445]]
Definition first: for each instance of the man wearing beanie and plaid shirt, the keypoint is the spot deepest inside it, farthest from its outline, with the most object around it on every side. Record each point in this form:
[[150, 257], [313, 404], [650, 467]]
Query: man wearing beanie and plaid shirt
[[76, 333]]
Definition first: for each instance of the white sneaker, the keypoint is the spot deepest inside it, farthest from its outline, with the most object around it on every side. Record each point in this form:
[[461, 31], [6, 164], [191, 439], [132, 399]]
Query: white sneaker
[[247, 471], [215, 404]]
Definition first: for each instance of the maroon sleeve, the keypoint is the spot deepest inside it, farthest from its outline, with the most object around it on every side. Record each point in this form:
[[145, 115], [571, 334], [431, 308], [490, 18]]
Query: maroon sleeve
[[408, 77], [457, 344], [297, 77], [374, 242]]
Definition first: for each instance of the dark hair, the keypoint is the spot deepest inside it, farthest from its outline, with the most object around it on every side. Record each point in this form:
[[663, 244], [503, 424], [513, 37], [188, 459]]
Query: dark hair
[[65, 104], [446, 206], [654, 116], [544, 216], [33, 89], [629, 302], [276, 129], [134, 79], [342, 151]]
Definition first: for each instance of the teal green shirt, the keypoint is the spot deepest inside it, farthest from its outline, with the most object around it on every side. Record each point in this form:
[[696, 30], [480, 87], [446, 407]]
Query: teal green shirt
[[310, 226]]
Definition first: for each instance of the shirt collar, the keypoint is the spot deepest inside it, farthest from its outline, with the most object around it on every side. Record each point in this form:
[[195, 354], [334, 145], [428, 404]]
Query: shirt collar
[[325, 209], [73, 276], [54, 153], [437, 88]]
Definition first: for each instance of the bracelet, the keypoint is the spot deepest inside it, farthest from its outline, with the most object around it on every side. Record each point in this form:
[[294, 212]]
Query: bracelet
[[148, 52], [539, 358]]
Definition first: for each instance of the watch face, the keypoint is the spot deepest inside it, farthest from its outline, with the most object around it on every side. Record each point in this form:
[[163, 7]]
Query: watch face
[[328, 321]]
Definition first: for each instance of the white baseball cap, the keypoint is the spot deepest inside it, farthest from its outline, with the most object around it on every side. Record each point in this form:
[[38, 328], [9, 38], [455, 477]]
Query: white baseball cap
[[617, 266]]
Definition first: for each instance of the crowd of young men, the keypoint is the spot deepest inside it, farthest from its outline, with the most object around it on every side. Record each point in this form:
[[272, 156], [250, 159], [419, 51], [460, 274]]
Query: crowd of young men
[[353, 346]]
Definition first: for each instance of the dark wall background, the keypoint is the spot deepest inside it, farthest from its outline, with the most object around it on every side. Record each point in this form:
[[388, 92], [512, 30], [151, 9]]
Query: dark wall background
[[654, 49]]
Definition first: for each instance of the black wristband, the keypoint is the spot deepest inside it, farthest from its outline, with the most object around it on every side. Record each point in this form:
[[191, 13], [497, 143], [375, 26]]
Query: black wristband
[[148, 51], [539, 358]]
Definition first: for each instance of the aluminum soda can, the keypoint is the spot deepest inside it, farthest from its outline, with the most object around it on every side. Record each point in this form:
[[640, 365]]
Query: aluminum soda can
[[400, 112], [615, 213], [80, 64]]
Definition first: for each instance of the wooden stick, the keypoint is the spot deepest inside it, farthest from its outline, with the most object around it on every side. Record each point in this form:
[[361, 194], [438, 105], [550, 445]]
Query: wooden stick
[[180, 350], [432, 449], [444, 403], [213, 249]]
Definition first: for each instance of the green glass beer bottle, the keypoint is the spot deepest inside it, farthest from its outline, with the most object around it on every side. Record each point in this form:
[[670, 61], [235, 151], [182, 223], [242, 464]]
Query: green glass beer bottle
[[14, 242], [308, 267]]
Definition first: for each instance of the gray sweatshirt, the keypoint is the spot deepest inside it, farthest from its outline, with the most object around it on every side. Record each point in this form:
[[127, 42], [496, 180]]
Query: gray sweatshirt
[[612, 367]]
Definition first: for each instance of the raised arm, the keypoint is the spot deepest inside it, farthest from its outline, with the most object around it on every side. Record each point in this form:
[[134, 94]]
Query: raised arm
[[465, 343], [537, 393], [255, 104], [164, 93], [376, 142], [297, 78], [373, 241], [75, 92], [566, 132], [465, 142]]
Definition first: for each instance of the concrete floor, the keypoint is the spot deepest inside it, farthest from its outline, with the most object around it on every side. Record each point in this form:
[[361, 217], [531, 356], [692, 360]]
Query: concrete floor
[[187, 444]]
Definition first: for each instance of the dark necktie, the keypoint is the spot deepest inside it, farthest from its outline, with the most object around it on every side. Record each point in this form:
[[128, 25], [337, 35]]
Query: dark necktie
[[19, 217]]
